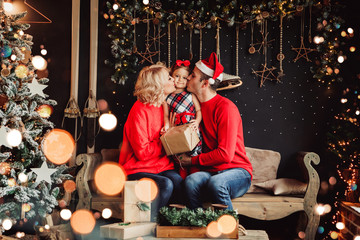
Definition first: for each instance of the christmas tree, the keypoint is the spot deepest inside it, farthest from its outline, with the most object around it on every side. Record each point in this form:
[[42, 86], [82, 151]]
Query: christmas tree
[[29, 184]]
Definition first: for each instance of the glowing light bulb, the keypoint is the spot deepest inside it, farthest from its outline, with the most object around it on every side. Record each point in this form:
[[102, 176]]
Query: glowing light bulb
[[357, 112], [108, 121], [340, 225], [23, 177], [320, 209], [14, 137], [115, 7], [39, 62], [43, 52], [8, 7], [318, 40], [350, 30], [7, 224], [13, 57], [106, 213], [357, 237], [341, 59], [65, 214], [21, 32], [146, 2]]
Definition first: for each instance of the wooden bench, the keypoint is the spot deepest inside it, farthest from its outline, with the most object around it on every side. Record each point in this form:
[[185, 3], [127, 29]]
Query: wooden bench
[[262, 206]]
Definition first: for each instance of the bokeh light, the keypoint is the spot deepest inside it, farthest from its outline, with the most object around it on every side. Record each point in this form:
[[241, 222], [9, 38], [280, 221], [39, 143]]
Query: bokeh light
[[340, 225], [341, 59], [108, 121], [26, 207], [212, 230], [7, 224], [58, 146], [353, 186], [65, 214], [12, 182], [39, 62], [334, 235], [115, 6], [43, 51], [327, 208], [23, 177], [321, 230], [69, 186], [82, 221], [47, 227], [350, 30], [146, 189], [20, 234], [106, 213], [103, 105], [227, 224], [352, 49], [14, 137], [357, 237], [110, 178], [301, 235], [146, 2], [4, 168], [320, 209], [8, 7]]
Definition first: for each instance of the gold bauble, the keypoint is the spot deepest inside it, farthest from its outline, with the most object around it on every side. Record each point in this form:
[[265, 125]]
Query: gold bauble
[[21, 71]]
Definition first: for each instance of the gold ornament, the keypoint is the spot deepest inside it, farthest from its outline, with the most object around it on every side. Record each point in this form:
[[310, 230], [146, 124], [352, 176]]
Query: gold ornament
[[5, 72], [45, 111], [27, 56], [21, 71]]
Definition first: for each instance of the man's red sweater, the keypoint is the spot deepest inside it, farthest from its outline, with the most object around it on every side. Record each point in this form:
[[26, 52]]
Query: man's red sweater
[[141, 149], [223, 139]]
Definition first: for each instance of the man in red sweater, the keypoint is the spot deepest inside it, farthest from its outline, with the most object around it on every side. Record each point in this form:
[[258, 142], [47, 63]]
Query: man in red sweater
[[226, 170]]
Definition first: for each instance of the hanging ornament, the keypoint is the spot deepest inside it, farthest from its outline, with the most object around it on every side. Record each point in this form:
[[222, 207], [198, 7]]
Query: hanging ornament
[[5, 72], [3, 136], [21, 71], [252, 48], [27, 56], [45, 110], [281, 56], [169, 45], [3, 100], [43, 173], [190, 51], [36, 88], [4, 168], [5, 51]]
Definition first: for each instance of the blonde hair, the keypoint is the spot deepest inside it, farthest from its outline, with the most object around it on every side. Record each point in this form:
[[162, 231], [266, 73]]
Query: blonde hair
[[149, 87]]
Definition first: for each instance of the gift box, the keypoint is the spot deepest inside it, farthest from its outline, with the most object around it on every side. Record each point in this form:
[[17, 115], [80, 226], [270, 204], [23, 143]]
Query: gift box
[[127, 230], [135, 209], [179, 139]]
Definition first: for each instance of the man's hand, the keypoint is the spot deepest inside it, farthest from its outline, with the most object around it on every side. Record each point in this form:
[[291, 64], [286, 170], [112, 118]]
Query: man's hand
[[184, 159]]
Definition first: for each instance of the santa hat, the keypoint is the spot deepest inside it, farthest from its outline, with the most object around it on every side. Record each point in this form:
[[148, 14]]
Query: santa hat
[[211, 67]]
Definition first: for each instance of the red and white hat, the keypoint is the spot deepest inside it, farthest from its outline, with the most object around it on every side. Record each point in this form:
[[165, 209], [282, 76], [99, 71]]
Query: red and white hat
[[211, 67]]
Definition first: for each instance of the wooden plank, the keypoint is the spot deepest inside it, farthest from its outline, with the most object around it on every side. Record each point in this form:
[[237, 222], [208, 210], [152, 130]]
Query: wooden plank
[[267, 210], [263, 197], [188, 232]]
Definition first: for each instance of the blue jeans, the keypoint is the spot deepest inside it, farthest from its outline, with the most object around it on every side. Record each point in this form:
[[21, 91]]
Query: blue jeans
[[169, 185], [216, 187]]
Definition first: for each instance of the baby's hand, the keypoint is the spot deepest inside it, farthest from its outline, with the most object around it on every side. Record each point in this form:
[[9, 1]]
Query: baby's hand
[[194, 124]]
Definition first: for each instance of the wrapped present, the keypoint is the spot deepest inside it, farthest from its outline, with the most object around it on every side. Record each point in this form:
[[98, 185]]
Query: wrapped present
[[179, 139], [135, 209], [127, 230]]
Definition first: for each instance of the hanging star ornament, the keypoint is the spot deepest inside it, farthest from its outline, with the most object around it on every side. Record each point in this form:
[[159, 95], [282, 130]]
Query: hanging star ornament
[[266, 74], [3, 136], [36, 88], [43, 173], [302, 51]]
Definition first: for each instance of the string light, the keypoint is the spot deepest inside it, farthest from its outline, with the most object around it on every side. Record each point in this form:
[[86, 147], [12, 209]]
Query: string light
[[8, 7], [350, 30], [145, 2], [7, 224], [341, 59]]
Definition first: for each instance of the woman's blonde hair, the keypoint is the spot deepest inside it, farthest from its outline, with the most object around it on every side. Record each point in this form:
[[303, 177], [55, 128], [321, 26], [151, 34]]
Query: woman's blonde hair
[[149, 87]]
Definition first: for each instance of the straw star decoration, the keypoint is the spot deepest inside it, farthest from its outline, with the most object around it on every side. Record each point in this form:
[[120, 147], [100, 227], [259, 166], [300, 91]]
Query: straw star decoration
[[266, 74], [302, 51]]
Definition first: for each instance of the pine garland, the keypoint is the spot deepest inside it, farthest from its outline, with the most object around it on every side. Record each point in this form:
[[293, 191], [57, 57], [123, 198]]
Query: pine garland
[[169, 216]]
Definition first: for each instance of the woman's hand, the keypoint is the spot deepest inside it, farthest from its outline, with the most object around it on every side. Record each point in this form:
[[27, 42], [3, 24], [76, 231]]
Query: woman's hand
[[164, 129]]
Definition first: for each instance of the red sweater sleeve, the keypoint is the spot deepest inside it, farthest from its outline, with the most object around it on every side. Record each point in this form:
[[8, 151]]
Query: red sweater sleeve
[[227, 119], [146, 144]]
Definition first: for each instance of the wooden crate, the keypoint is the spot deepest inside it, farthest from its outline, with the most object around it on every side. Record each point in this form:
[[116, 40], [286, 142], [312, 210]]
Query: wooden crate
[[188, 232]]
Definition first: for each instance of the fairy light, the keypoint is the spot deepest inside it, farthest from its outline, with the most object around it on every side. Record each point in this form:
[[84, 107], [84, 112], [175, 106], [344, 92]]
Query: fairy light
[[350, 30], [7, 224], [145, 2], [23, 177], [340, 59], [320, 209], [115, 6], [340, 225]]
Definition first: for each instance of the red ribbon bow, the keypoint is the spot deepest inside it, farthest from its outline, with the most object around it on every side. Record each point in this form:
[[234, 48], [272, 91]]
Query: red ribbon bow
[[185, 63]]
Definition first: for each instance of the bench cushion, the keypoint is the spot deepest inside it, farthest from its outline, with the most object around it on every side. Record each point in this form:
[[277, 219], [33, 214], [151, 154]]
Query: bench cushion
[[265, 164]]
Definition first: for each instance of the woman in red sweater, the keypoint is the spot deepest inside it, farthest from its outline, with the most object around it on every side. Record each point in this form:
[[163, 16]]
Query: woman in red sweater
[[142, 154]]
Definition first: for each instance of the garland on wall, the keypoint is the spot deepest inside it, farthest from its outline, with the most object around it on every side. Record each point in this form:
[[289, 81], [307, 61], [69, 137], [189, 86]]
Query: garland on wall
[[124, 15]]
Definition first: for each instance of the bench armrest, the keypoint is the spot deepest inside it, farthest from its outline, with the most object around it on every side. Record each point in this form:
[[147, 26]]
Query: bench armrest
[[89, 162], [310, 199]]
